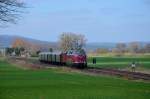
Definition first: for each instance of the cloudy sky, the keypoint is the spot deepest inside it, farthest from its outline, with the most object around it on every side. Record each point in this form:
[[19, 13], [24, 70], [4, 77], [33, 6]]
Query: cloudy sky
[[98, 20]]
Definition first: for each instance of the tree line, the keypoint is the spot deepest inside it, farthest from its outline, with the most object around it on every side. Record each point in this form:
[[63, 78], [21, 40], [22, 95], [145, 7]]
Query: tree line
[[122, 48], [67, 41]]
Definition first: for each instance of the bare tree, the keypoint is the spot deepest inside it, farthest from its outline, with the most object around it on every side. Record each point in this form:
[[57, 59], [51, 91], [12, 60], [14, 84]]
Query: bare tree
[[9, 10], [147, 48], [134, 47], [71, 41], [116, 52], [20, 43], [121, 47], [102, 50]]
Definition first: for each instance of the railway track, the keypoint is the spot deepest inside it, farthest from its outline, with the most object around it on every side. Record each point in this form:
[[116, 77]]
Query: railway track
[[94, 70], [120, 73]]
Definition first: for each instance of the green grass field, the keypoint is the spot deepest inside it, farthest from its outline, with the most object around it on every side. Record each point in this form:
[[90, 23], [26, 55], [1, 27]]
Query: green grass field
[[120, 62], [16, 83]]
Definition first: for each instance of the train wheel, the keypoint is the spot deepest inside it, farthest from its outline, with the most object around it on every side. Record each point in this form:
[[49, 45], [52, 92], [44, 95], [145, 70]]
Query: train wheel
[[85, 65]]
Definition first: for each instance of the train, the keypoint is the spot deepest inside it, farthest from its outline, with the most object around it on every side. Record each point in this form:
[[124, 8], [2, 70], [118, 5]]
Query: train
[[72, 58]]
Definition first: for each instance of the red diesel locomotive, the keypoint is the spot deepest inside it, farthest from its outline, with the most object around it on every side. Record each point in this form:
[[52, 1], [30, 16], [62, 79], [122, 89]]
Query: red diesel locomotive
[[72, 58]]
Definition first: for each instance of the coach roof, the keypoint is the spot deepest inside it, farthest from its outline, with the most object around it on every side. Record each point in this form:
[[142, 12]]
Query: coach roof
[[53, 53]]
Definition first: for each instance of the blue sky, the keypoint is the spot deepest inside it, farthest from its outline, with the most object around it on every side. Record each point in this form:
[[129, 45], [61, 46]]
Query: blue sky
[[98, 20]]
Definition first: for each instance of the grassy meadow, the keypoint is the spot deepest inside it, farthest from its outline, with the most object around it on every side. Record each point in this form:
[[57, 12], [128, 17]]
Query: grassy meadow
[[17, 83], [120, 62]]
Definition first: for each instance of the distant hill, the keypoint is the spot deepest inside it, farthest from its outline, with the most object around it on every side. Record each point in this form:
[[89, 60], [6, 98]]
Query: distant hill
[[94, 46], [7, 40]]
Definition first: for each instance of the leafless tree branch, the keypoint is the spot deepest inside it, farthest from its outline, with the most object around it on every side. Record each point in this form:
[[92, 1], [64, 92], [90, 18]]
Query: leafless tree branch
[[10, 10]]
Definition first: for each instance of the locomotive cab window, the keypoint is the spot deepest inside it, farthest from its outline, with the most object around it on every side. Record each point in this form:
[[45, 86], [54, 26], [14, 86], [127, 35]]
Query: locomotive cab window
[[69, 52]]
